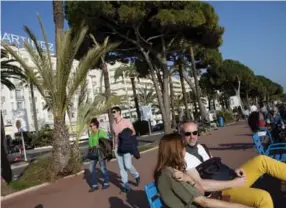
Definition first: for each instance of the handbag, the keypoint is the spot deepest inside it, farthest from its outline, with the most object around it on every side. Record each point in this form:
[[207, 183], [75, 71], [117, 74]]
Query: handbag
[[214, 169], [93, 153]]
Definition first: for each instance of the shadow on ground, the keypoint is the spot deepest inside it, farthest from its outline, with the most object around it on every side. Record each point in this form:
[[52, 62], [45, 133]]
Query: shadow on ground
[[233, 146], [275, 187], [113, 177], [134, 199]]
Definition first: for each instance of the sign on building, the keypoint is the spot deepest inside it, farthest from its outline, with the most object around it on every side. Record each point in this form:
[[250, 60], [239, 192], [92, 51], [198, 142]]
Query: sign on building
[[19, 41]]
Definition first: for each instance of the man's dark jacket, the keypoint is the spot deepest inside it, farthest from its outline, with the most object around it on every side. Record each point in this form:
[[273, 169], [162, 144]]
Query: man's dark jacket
[[128, 143]]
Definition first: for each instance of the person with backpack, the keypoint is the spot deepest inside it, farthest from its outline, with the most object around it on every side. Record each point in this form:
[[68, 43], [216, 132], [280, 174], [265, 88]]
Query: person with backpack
[[215, 176], [94, 155]]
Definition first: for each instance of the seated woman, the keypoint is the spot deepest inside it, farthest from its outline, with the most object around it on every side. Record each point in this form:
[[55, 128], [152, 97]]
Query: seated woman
[[185, 193], [256, 123]]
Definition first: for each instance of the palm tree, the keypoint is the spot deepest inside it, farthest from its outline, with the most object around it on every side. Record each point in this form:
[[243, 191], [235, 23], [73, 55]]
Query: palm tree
[[58, 14], [131, 72], [8, 71], [59, 86], [86, 110], [147, 96]]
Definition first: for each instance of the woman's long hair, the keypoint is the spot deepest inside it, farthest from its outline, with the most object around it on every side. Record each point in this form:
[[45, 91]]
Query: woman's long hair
[[253, 121], [170, 153]]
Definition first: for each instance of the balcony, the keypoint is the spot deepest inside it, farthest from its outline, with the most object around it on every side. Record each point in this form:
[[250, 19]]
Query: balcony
[[20, 97]]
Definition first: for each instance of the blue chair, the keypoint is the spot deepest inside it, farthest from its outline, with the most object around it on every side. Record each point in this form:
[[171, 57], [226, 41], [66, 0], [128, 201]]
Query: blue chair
[[153, 195], [274, 150]]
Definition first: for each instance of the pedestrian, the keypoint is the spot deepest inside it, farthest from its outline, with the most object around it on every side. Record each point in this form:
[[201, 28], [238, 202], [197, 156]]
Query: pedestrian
[[124, 160], [93, 141]]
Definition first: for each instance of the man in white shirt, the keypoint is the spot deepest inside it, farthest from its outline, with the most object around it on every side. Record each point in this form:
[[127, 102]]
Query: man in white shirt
[[239, 189], [253, 108]]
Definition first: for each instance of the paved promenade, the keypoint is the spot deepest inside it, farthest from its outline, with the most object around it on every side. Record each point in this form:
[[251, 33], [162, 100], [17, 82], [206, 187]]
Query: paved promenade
[[232, 143]]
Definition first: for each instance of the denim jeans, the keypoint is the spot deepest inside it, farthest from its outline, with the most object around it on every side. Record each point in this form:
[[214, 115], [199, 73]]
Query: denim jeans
[[92, 169], [125, 164]]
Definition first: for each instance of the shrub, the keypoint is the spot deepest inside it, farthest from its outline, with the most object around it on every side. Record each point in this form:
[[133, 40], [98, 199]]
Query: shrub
[[227, 115], [43, 138], [36, 173]]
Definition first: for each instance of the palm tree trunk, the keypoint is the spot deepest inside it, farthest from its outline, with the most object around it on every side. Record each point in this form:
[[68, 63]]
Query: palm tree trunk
[[34, 108], [174, 123], [58, 13], [6, 171], [198, 90], [135, 98], [61, 146], [107, 92], [184, 92]]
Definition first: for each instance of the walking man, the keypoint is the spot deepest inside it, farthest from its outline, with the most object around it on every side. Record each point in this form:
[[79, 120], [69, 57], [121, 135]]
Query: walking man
[[124, 160]]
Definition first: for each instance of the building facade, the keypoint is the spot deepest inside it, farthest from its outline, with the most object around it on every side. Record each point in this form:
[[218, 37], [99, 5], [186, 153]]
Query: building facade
[[17, 104]]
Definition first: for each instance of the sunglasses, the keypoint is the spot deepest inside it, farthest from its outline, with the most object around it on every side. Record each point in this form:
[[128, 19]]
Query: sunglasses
[[113, 112], [194, 133], [90, 126]]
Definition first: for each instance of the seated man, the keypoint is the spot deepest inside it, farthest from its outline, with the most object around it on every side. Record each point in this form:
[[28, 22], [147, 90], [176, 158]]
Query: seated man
[[239, 189]]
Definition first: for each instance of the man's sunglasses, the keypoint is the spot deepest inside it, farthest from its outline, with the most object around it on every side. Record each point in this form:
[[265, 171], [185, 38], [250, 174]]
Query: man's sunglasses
[[194, 133], [113, 112]]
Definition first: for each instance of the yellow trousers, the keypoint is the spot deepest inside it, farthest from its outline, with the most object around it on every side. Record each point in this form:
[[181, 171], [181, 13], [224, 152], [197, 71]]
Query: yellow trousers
[[255, 168]]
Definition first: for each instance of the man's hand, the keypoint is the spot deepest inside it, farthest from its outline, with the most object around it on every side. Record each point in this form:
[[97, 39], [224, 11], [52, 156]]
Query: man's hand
[[240, 172], [238, 182]]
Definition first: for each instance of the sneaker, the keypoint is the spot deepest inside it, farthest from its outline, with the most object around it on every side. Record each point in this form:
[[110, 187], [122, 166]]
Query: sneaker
[[105, 186], [124, 190], [94, 188], [137, 181]]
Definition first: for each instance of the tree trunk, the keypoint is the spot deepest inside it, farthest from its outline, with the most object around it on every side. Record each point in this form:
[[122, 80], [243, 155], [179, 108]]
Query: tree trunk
[[135, 97], [174, 123], [167, 125], [185, 97], [209, 102], [61, 147], [107, 92], [214, 104], [6, 171], [166, 97], [58, 12], [34, 109], [198, 90]]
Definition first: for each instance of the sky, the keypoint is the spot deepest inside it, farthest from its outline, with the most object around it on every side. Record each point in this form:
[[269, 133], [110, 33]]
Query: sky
[[255, 32]]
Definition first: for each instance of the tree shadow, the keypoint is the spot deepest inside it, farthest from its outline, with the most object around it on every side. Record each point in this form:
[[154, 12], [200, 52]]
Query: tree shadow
[[233, 146], [114, 178], [248, 135], [134, 199]]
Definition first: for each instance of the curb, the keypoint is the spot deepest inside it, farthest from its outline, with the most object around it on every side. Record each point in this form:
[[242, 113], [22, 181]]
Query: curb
[[34, 188]]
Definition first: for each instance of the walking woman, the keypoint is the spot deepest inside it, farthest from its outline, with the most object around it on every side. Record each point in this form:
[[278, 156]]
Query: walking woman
[[93, 141]]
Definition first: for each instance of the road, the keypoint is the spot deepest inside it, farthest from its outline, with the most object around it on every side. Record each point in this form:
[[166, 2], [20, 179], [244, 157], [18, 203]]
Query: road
[[18, 168]]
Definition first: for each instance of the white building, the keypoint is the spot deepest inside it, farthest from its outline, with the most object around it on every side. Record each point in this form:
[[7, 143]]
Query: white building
[[17, 104]]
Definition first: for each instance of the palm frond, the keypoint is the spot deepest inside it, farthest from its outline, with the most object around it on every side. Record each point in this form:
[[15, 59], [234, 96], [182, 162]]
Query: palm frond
[[92, 57]]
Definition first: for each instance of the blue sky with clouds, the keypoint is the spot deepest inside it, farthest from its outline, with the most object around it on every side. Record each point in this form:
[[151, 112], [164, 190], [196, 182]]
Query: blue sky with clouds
[[255, 32]]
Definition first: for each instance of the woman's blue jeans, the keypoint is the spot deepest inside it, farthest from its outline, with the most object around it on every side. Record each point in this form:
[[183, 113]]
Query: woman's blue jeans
[[92, 168]]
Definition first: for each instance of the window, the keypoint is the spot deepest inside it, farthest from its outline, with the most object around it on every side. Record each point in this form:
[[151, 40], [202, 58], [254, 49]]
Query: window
[[19, 105], [12, 105], [94, 83], [4, 112], [3, 99]]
